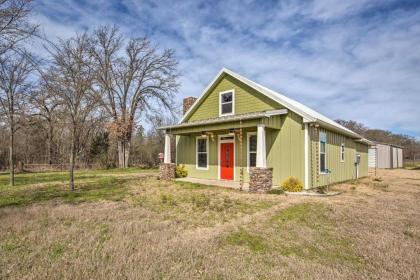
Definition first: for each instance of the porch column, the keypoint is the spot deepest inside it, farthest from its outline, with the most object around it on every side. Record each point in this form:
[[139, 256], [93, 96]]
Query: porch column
[[167, 154], [261, 150], [167, 169]]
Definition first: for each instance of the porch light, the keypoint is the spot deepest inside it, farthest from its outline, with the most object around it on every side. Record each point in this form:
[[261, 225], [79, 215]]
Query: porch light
[[231, 132]]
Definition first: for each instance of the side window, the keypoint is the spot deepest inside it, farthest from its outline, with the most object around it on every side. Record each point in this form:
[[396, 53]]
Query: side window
[[252, 149], [226, 103], [202, 153], [322, 152]]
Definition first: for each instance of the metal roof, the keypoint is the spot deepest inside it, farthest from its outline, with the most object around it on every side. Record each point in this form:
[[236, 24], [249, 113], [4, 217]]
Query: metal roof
[[247, 116], [307, 113]]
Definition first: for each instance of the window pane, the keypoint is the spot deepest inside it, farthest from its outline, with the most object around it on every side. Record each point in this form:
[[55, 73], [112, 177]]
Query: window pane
[[202, 160], [226, 108], [322, 147], [227, 97], [322, 163], [202, 145], [252, 159], [253, 143], [322, 137]]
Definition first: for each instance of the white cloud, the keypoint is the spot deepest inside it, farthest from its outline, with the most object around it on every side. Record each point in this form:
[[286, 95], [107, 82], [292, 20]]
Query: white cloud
[[321, 53]]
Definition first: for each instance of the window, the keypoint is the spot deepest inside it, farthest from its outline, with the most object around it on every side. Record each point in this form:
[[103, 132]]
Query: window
[[202, 153], [226, 103], [252, 149], [322, 152], [342, 152]]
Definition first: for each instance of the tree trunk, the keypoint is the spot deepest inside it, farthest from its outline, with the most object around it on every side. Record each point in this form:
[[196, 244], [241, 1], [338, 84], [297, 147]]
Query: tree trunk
[[49, 144], [11, 151], [72, 158], [123, 153]]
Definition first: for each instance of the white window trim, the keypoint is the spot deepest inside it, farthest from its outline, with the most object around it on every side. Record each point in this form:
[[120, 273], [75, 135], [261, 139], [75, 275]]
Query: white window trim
[[220, 141], [249, 134], [233, 102], [342, 152], [319, 146], [196, 152]]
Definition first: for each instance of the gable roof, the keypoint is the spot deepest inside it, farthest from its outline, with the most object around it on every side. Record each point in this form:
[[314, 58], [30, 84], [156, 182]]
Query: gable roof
[[305, 112]]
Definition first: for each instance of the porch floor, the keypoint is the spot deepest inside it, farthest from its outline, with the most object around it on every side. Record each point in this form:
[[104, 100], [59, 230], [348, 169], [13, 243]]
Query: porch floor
[[212, 182]]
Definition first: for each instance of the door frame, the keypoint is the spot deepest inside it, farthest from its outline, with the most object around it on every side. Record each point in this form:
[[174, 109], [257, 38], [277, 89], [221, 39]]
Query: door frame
[[220, 141]]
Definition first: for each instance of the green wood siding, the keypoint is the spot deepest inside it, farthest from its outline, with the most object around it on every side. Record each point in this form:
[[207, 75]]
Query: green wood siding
[[284, 151], [340, 171], [247, 100]]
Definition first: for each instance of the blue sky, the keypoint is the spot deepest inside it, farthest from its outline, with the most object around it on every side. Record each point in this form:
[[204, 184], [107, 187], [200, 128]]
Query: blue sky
[[356, 60]]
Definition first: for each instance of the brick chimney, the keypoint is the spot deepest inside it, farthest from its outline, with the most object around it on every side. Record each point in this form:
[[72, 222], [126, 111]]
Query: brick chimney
[[187, 103]]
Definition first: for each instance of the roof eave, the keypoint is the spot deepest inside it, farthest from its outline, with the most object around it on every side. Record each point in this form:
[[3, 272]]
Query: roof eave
[[265, 114]]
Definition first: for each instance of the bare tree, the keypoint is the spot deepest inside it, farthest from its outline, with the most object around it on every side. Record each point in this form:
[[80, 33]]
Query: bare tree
[[44, 109], [133, 77], [14, 24], [71, 81], [14, 87]]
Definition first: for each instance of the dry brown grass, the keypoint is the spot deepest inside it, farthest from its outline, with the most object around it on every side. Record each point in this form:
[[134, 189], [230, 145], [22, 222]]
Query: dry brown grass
[[181, 231]]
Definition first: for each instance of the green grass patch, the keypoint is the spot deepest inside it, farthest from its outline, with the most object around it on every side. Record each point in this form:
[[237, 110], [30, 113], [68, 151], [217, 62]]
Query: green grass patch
[[243, 238], [57, 250], [322, 242], [196, 186], [106, 188], [22, 179], [276, 191], [12, 243], [104, 233]]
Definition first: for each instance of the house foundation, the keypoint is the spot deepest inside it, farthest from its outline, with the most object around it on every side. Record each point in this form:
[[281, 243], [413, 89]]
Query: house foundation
[[260, 179], [167, 171]]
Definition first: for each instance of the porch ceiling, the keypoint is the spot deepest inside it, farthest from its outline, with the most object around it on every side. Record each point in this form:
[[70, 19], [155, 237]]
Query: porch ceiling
[[227, 122]]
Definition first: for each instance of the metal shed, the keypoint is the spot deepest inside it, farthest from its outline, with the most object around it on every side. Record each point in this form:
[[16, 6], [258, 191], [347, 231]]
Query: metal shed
[[385, 156]]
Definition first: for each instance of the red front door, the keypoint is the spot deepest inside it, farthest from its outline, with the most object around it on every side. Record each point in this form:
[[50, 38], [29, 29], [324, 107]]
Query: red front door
[[226, 161]]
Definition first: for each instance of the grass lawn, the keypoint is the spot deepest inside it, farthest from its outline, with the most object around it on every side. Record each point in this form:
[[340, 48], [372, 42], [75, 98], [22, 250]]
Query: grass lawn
[[126, 224]]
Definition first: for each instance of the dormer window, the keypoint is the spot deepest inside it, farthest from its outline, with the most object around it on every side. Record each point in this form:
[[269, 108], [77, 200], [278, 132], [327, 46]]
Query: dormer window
[[227, 106]]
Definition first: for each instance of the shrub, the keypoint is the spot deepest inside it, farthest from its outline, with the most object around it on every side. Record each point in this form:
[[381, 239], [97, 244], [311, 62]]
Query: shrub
[[292, 184], [181, 171]]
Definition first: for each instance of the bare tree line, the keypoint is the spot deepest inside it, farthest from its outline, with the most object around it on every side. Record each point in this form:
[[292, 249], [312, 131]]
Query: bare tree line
[[410, 144], [87, 101]]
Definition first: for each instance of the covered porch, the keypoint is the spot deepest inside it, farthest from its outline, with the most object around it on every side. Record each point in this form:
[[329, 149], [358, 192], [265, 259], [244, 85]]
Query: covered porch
[[218, 150]]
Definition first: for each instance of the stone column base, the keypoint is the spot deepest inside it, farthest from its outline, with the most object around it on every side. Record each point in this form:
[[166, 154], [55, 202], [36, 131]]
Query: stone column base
[[167, 171], [260, 179]]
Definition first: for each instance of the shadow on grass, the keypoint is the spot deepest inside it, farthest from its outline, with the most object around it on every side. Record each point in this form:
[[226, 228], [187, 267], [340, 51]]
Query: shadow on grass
[[36, 178], [23, 179], [108, 188]]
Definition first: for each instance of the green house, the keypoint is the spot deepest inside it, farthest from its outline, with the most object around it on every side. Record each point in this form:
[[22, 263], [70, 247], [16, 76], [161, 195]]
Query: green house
[[239, 130]]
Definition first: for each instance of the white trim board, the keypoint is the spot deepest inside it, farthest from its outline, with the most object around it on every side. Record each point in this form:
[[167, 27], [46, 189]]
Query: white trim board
[[196, 152], [219, 141], [248, 135], [233, 103]]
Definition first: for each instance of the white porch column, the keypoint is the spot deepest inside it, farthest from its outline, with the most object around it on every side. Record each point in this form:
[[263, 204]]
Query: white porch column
[[306, 156], [261, 150], [167, 154]]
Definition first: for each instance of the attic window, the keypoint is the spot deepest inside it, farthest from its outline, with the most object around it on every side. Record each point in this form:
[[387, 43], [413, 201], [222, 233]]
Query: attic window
[[227, 105]]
